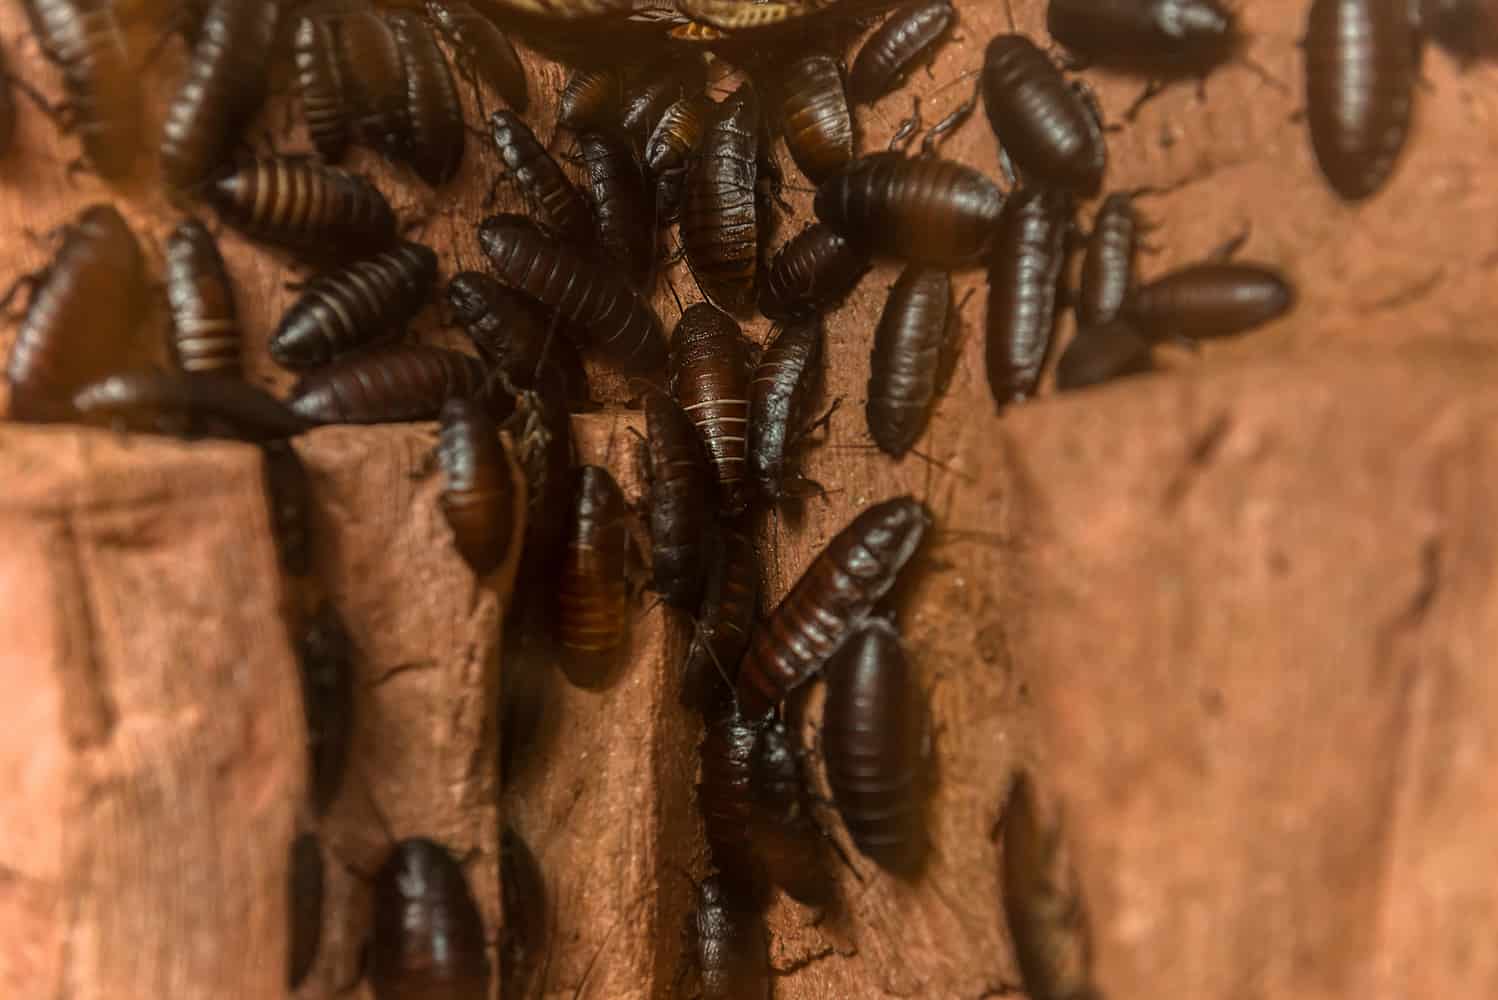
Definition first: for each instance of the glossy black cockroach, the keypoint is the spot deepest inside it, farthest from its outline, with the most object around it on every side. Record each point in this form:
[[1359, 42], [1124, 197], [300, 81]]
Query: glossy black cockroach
[[514, 334], [288, 498], [1103, 352], [728, 939], [720, 220], [811, 274], [224, 88], [622, 214], [681, 502], [319, 212], [206, 336], [1108, 265], [679, 77], [483, 50], [1361, 60], [709, 373], [427, 937], [83, 316], [479, 498], [925, 209], [1024, 270], [729, 609], [835, 596], [591, 100], [815, 116], [594, 592], [786, 838], [1160, 38], [1046, 126], [304, 896], [101, 84], [906, 363], [321, 86], [906, 38], [433, 108], [523, 900], [597, 302], [725, 796], [673, 142], [395, 384], [785, 382], [325, 656], [1211, 299], [354, 306], [374, 77], [875, 742], [186, 404], [540, 177], [1043, 902]]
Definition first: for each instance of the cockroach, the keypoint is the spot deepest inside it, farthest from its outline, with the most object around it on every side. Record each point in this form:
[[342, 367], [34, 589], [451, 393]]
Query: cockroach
[[622, 215], [82, 318], [594, 591], [427, 938], [523, 900], [725, 795], [1043, 902], [304, 896], [435, 113], [835, 595], [673, 142], [206, 336], [815, 117], [482, 49], [225, 85], [513, 335], [1162, 38], [811, 274], [729, 941], [905, 366], [1099, 353], [678, 78], [926, 209], [1023, 272], [325, 655], [1211, 299], [905, 39], [1361, 58], [591, 100], [1108, 265], [355, 306], [787, 840], [374, 75], [394, 384], [478, 498], [598, 302], [102, 86], [539, 176], [288, 498], [875, 744], [319, 212], [729, 609], [186, 404], [1044, 124], [709, 377], [681, 502], [720, 219], [784, 383], [321, 86]]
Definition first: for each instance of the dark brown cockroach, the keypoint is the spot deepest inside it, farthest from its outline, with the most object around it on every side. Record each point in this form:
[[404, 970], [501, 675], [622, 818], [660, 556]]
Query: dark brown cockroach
[[479, 497], [523, 900], [622, 213], [427, 938], [908, 37], [786, 838], [206, 336], [875, 744], [720, 219], [1211, 299], [354, 306], [391, 385], [319, 212], [596, 301], [1045, 125], [186, 404], [83, 316], [304, 896], [591, 100], [815, 117], [681, 503], [709, 377], [594, 591], [433, 109], [325, 656], [835, 596], [1108, 265], [1159, 38], [539, 177], [673, 142], [224, 88], [811, 274], [100, 83], [780, 394], [321, 86], [1043, 902], [926, 209], [483, 51], [905, 366], [728, 939], [729, 609], [1361, 59], [374, 77], [288, 498], [725, 795], [1024, 269], [513, 334], [679, 77], [1099, 353]]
